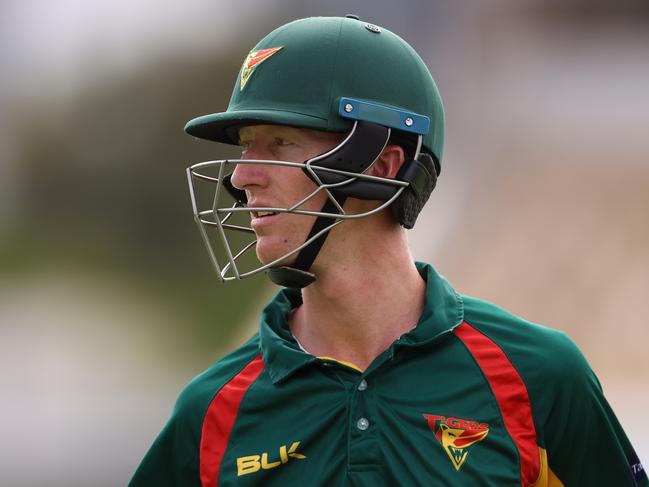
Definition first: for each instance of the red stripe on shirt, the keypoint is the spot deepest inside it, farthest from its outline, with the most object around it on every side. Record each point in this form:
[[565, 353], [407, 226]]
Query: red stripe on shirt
[[511, 394], [219, 420]]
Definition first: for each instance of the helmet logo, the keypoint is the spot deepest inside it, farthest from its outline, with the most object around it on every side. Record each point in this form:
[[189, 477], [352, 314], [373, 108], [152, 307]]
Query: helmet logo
[[254, 59], [373, 28]]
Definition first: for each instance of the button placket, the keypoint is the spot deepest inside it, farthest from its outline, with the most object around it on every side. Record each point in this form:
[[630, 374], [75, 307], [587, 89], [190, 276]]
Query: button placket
[[362, 423], [364, 451]]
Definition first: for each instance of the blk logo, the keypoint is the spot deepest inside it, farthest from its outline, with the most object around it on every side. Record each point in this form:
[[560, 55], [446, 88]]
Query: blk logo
[[254, 463]]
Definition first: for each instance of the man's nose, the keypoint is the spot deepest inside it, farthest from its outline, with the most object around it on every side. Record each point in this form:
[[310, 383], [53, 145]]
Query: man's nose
[[248, 176]]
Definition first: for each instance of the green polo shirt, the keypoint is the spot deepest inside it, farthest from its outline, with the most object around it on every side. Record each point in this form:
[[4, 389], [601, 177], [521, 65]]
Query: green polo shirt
[[471, 396]]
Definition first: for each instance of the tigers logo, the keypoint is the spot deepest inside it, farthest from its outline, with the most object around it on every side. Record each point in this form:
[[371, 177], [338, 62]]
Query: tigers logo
[[254, 59], [456, 435]]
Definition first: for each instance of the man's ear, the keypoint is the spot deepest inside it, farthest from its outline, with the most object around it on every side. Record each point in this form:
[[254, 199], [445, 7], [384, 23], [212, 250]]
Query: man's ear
[[389, 162]]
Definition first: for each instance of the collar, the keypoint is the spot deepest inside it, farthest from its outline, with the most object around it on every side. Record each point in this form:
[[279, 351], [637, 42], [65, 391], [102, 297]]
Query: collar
[[443, 311]]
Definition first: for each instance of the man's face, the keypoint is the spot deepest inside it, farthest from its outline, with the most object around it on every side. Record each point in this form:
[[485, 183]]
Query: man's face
[[280, 186]]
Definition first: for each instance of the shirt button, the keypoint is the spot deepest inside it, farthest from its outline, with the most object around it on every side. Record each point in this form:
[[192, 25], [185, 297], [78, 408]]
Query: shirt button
[[362, 385], [362, 424]]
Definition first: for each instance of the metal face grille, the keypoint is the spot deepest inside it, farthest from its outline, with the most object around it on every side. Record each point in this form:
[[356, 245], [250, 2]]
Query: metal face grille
[[224, 223]]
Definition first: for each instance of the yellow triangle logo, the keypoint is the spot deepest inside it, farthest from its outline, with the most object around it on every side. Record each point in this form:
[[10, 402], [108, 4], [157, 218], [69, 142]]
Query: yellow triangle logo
[[457, 436], [254, 59]]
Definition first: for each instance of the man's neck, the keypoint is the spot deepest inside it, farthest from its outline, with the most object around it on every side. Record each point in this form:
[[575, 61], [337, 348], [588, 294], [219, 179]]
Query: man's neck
[[362, 302]]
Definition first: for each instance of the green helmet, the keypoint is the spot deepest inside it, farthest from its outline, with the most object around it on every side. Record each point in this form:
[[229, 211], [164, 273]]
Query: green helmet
[[298, 75], [333, 74]]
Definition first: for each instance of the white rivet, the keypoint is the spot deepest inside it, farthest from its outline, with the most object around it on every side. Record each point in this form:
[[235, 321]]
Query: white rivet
[[362, 424], [409, 122], [373, 28], [362, 385], [349, 107]]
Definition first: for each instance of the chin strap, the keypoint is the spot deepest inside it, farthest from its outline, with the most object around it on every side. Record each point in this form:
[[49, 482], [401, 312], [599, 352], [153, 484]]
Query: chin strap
[[298, 275]]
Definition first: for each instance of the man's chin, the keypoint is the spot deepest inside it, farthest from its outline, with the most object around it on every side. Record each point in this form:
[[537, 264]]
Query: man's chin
[[266, 256]]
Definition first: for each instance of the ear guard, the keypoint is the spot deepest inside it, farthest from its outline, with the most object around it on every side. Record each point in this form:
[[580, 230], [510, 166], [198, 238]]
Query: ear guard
[[357, 154], [422, 176]]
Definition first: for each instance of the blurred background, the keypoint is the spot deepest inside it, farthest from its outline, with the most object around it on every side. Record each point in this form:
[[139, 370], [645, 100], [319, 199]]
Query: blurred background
[[108, 303]]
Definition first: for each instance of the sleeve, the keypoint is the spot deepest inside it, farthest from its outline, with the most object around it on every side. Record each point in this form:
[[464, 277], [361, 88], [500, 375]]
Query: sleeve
[[173, 459], [585, 443]]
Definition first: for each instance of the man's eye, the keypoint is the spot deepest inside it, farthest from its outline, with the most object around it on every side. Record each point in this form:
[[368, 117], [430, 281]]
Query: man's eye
[[280, 141]]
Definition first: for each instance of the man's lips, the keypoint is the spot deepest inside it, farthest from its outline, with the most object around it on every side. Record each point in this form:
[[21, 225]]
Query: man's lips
[[259, 209], [262, 214], [259, 218]]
